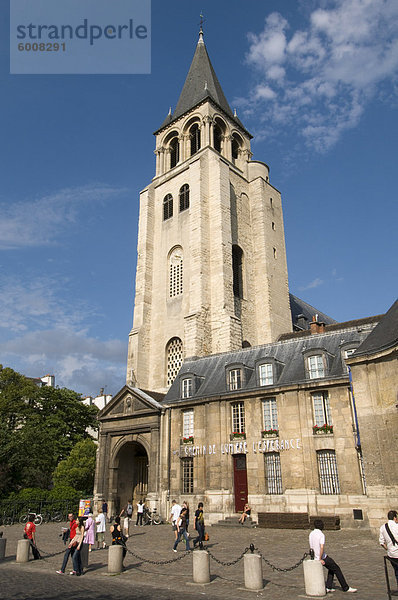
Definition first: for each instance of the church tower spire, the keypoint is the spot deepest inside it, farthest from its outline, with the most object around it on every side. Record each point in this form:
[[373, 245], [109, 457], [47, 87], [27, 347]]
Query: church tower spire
[[211, 271]]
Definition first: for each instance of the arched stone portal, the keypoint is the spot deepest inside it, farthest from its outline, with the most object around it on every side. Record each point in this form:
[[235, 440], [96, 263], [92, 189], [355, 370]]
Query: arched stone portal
[[132, 474]]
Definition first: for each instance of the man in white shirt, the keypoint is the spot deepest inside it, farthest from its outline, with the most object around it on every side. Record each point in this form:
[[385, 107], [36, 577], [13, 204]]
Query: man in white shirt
[[175, 513], [140, 512], [388, 538], [317, 544], [101, 527]]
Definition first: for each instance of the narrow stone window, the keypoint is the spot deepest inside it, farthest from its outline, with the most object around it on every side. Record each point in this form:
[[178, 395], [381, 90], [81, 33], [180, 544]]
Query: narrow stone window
[[184, 197], [174, 152], [273, 472], [174, 359], [273, 226], [176, 273], [167, 207], [217, 138], [274, 249], [328, 475], [194, 134], [237, 270]]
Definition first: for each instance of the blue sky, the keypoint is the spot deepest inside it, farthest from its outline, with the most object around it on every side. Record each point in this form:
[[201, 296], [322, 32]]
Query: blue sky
[[316, 84]]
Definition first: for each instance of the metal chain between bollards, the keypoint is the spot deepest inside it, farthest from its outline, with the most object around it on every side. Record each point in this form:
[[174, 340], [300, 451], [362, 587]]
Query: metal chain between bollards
[[158, 562], [274, 568], [230, 563]]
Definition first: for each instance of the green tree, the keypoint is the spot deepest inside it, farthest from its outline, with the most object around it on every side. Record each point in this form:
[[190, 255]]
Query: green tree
[[78, 469], [38, 428]]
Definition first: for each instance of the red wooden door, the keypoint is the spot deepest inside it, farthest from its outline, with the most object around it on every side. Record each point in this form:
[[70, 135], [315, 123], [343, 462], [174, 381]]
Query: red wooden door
[[240, 481]]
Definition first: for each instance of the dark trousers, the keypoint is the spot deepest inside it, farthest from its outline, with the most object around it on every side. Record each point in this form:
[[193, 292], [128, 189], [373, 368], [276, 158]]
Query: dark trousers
[[182, 534], [394, 562], [68, 552], [200, 528], [35, 552], [77, 562], [139, 518], [334, 569]]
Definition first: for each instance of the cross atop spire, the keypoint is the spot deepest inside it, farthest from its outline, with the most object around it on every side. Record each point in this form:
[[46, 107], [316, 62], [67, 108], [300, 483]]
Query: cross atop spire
[[201, 41]]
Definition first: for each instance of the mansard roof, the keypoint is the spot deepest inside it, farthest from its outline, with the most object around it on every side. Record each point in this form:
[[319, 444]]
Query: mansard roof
[[298, 307], [288, 357], [200, 84], [384, 336]]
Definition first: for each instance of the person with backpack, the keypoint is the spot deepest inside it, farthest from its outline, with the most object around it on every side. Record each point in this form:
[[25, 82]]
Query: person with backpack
[[128, 513], [181, 524], [388, 538]]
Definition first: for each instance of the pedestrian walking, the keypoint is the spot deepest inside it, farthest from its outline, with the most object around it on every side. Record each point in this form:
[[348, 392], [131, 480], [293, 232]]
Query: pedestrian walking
[[140, 512], [388, 538], [77, 543], [186, 506], [181, 524], [101, 528], [317, 544], [127, 511], [30, 534], [70, 549], [105, 508], [199, 525], [174, 514], [118, 539], [89, 536]]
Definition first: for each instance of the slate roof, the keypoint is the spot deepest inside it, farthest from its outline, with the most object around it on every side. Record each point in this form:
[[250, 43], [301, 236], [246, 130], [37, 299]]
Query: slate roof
[[383, 336], [210, 372], [200, 84], [299, 307]]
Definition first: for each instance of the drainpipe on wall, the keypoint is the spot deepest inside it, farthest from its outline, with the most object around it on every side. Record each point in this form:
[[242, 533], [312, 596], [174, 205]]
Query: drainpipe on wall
[[358, 437]]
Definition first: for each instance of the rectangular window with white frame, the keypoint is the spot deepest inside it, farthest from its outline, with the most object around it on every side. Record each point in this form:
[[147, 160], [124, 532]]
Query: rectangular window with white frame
[[273, 472], [322, 413], [266, 374], [270, 414], [187, 388], [238, 417], [316, 367], [234, 379], [187, 429]]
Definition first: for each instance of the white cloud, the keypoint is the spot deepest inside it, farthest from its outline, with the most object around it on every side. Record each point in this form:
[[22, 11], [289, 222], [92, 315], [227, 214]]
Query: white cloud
[[38, 221], [318, 81], [313, 284]]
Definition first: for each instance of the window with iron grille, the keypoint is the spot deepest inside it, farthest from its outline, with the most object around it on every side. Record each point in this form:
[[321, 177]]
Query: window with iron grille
[[238, 417], [174, 359], [184, 197], [322, 414], [266, 374], [327, 468], [186, 388], [270, 414], [167, 207], [187, 430], [176, 273], [187, 475], [316, 367], [234, 379], [273, 473]]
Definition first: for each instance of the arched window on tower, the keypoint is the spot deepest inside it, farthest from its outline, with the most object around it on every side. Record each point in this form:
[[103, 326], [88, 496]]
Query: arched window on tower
[[235, 148], [167, 207], [175, 273], [194, 134], [174, 359], [174, 152], [184, 197], [217, 137]]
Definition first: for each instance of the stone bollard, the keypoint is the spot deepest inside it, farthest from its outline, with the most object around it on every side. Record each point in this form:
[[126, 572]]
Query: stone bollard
[[253, 572], [115, 559], [314, 579], [84, 555], [3, 543], [23, 551], [201, 566]]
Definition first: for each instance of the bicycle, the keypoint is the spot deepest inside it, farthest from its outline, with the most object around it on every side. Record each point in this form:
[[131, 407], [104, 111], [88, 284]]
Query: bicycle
[[56, 517], [151, 518], [37, 518], [5, 519]]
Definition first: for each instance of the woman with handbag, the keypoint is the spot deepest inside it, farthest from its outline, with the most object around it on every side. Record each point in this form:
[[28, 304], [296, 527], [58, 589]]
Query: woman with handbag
[[77, 544]]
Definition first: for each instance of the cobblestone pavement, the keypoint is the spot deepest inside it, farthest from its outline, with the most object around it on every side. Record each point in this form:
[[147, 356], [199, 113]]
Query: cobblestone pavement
[[357, 552]]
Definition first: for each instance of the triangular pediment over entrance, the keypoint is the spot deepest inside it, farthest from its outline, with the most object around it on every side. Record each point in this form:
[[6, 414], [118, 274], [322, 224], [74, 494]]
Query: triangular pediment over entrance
[[130, 401]]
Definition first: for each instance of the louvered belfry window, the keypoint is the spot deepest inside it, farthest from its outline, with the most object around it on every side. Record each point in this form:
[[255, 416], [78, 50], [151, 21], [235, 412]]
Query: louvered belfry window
[[174, 359], [176, 273]]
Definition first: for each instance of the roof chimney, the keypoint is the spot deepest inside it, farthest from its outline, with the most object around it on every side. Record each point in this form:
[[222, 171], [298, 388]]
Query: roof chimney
[[317, 326]]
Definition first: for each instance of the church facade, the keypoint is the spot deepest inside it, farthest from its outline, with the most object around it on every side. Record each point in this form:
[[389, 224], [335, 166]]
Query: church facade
[[236, 390]]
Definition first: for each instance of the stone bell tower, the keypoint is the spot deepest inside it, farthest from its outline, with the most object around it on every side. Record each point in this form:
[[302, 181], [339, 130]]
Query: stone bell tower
[[211, 270]]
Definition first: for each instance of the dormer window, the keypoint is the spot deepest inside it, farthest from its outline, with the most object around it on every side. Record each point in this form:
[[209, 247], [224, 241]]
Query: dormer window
[[187, 387], [266, 374], [234, 379], [316, 366]]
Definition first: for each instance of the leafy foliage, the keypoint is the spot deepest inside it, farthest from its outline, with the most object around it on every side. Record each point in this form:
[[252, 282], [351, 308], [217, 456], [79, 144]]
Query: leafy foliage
[[39, 426], [78, 469]]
